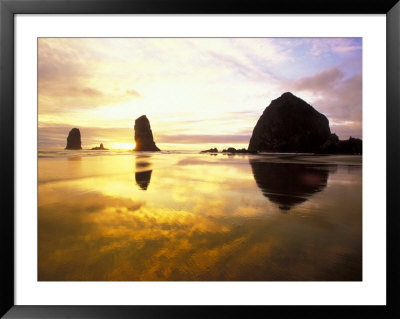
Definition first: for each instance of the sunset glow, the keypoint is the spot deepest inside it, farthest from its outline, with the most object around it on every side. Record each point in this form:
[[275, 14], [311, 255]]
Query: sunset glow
[[197, 93]]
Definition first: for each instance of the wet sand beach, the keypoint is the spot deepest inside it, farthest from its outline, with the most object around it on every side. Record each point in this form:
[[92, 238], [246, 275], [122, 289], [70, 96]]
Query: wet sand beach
[[137, 216]]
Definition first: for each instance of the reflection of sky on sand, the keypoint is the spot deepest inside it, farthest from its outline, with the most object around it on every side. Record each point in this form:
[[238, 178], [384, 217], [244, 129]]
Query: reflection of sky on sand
[[201, 218]]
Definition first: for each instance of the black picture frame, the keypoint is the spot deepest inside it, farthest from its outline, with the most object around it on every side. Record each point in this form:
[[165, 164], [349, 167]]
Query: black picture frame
[[8, 8]]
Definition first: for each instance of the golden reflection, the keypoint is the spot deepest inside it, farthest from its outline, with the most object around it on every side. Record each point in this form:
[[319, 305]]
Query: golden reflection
[[204, 219], [143, 173]]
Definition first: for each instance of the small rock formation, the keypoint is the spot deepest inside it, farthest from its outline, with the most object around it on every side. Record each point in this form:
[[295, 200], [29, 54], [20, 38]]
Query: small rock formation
[[234, 150], [211, 150], [100, 148], [74, 140], [290, 125], [333, 145], [144, 136]]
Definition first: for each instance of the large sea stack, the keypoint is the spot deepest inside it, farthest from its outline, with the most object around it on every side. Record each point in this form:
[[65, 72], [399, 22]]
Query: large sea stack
[[144, 136], [290, 124], [74, 140]]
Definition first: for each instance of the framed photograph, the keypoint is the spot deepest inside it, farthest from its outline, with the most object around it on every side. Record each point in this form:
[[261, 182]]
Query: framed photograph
[[175, 159]]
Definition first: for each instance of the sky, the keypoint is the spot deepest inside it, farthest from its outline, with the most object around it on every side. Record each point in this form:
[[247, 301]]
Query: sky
[[197, 93]]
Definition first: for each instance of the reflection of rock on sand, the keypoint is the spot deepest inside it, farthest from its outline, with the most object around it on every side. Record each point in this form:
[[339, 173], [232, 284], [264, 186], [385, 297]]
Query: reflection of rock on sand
[[287, 184], [142, 177]]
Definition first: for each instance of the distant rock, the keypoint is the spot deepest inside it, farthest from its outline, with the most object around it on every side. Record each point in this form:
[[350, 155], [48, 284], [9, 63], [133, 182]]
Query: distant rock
[[100, 148], [333, 145], [211, 150], [144, 136], [234, 150], [290, 125], [74, 140]]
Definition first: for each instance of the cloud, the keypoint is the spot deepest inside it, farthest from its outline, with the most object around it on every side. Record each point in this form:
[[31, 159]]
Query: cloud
[[72, 74], [334, 45], [320, 82], [337, 96], [133, 92], [88, 73], [88, 91]]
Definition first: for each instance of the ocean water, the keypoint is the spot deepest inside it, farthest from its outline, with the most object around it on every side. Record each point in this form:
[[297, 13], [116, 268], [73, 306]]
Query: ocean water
[[181, 216]]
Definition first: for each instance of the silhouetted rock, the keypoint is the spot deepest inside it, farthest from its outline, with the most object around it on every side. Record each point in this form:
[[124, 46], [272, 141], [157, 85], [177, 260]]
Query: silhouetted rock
[[211, 150], [351, 146], [100, 148], [288, 184], [74, 140], [330, 144], [143, 179], [289, 124], [333, 145], [234, 150], [229, 150], [144, 136]]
